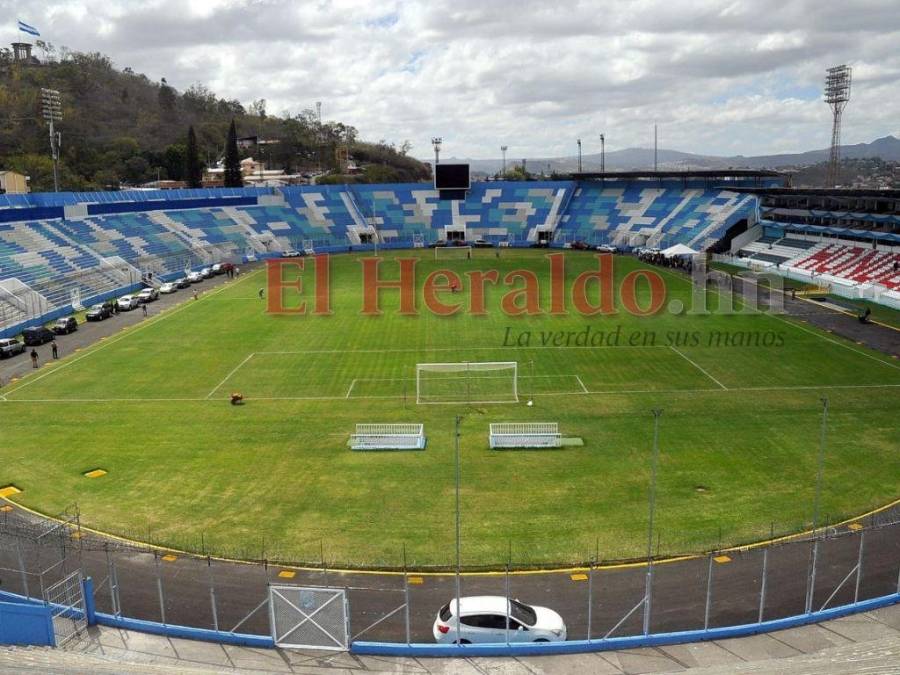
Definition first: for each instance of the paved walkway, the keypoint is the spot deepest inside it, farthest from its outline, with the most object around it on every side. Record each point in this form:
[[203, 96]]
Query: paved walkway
[[864, 643]]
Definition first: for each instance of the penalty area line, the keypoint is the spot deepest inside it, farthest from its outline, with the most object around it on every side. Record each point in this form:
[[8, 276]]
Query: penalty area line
[[694, 363], [228, 376], [350, 388], [583, 388]]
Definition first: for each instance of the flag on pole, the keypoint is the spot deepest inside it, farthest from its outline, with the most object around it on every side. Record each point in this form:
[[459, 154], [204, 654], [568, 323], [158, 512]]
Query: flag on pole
[[31, 30]]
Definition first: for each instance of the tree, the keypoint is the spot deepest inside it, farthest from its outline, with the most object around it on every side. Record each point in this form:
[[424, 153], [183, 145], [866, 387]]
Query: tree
[[233, 177], [175, 161], [193, 168], [166, 97]]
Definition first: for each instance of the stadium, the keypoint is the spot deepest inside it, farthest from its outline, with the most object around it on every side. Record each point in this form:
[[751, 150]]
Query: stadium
[[348, 391]]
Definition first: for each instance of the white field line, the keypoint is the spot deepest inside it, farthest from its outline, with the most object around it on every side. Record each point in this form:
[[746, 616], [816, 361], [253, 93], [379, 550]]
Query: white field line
[[789, 323], [584, 389], [804, 387], [131, 331], [697, 366], [228, 376], [449, 349], [350, 388]]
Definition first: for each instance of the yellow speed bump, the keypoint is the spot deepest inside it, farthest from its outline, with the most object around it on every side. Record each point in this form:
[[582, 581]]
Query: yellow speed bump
[[9, 491], [287, 574], [722, 559], [578, 577], [170, 558], [95, 473], [416, 581], [6, 508], [854, 526]]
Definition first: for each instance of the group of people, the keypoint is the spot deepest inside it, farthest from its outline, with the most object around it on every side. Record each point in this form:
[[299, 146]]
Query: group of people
[[679, 262], [54, 351]]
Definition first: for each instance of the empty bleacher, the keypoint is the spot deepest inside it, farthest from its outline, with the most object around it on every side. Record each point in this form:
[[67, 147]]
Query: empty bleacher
[[856, 264], [625, 213]]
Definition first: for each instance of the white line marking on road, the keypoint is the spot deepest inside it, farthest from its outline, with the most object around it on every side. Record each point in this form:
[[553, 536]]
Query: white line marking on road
[[228, 376], [694, 363]]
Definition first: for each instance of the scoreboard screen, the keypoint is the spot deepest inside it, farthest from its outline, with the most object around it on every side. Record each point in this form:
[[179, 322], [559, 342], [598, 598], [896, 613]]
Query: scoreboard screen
[[451, 177]]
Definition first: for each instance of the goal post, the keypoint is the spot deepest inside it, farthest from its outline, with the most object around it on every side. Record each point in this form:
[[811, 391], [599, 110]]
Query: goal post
[[452, 252], [525, 435], [467, 382], [388, 437]]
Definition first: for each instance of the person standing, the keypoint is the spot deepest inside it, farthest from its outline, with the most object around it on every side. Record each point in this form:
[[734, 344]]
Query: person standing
[[54, 350], [34, 358], [144, 307]]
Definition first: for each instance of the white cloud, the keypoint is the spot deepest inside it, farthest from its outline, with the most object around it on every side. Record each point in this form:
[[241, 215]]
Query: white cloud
[[719, 78]]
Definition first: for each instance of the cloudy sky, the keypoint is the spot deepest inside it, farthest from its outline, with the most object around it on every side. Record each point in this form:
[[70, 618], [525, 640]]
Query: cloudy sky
[[718, 77]]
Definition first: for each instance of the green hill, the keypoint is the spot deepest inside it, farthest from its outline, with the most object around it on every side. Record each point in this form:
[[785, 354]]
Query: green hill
[[120, 127]]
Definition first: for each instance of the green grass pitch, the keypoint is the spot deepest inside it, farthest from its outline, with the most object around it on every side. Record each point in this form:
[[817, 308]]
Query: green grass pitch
[[738, 435]]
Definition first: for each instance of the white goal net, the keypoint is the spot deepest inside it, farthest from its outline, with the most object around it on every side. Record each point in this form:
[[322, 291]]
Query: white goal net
[[525, 435], [388, 437], [467, 382], [453, 252]]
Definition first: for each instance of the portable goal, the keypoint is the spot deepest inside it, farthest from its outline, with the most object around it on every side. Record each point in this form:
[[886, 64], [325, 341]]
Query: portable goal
[[388, 437], [452, 252], [467, 382], [525, 435]]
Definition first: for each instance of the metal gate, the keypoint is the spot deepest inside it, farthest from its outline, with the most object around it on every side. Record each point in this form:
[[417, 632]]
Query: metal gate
[[304, 617], [66, 601]]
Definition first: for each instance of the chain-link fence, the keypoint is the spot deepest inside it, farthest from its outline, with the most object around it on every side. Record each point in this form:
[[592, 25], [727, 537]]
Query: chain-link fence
[[838, 566]]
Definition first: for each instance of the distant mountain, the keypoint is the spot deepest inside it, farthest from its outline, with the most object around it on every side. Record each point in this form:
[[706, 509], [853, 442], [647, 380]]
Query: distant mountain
[[641, 159]]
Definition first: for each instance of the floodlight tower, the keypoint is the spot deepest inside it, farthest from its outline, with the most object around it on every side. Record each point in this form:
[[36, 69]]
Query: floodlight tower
[[837, 94], [602, 153], [503, 149], [579, 154], [436, 142], [51, 108]]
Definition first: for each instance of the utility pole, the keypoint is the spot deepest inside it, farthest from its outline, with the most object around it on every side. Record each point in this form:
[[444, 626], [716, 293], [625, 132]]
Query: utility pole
[[503, 149], [52, 111], [579, 155], [837, 95], [436, 143]]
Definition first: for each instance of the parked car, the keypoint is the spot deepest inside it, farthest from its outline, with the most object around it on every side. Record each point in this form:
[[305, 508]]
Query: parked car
[[167, 288], [37, 335], [481, 243], [438, 244], [217, 268], [10, 347], [99, 312], [483, 618], [206, 272], [127, 302], [607, 248], [182, 282], [194, 277], [148, 295], [65, 325], [291, 253], [580, 246]]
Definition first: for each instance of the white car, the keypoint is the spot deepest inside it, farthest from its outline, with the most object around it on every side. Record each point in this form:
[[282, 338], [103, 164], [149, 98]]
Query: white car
[[607, 248], [194, 277], [483, 619], [127, 302], [148, 295], [290, 253], [206, 273], [168, 288], [217, 268]]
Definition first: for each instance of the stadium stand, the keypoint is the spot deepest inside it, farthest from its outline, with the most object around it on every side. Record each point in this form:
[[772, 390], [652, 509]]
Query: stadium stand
[[632, 214]]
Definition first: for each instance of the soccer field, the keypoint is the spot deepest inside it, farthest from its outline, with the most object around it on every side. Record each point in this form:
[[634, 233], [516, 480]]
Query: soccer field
[[739, 432]]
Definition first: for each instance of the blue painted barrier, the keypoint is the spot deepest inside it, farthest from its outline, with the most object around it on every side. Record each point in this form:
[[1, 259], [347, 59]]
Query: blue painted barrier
[[630, 642], [25, 622], [185, 632]]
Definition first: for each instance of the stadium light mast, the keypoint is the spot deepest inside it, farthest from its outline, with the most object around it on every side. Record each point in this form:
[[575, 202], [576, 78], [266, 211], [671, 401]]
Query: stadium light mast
[[602, 153], [51, 109], [578, 140], [837, 94], [503, 149], [436, 142]]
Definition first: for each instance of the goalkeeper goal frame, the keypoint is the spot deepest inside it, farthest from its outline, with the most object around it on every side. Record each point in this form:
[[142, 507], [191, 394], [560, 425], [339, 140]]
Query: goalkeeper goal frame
[[467, 249], [467, 367]]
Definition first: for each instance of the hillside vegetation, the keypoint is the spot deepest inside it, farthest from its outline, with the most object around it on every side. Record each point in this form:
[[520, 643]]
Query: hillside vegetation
[[120, 127]]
